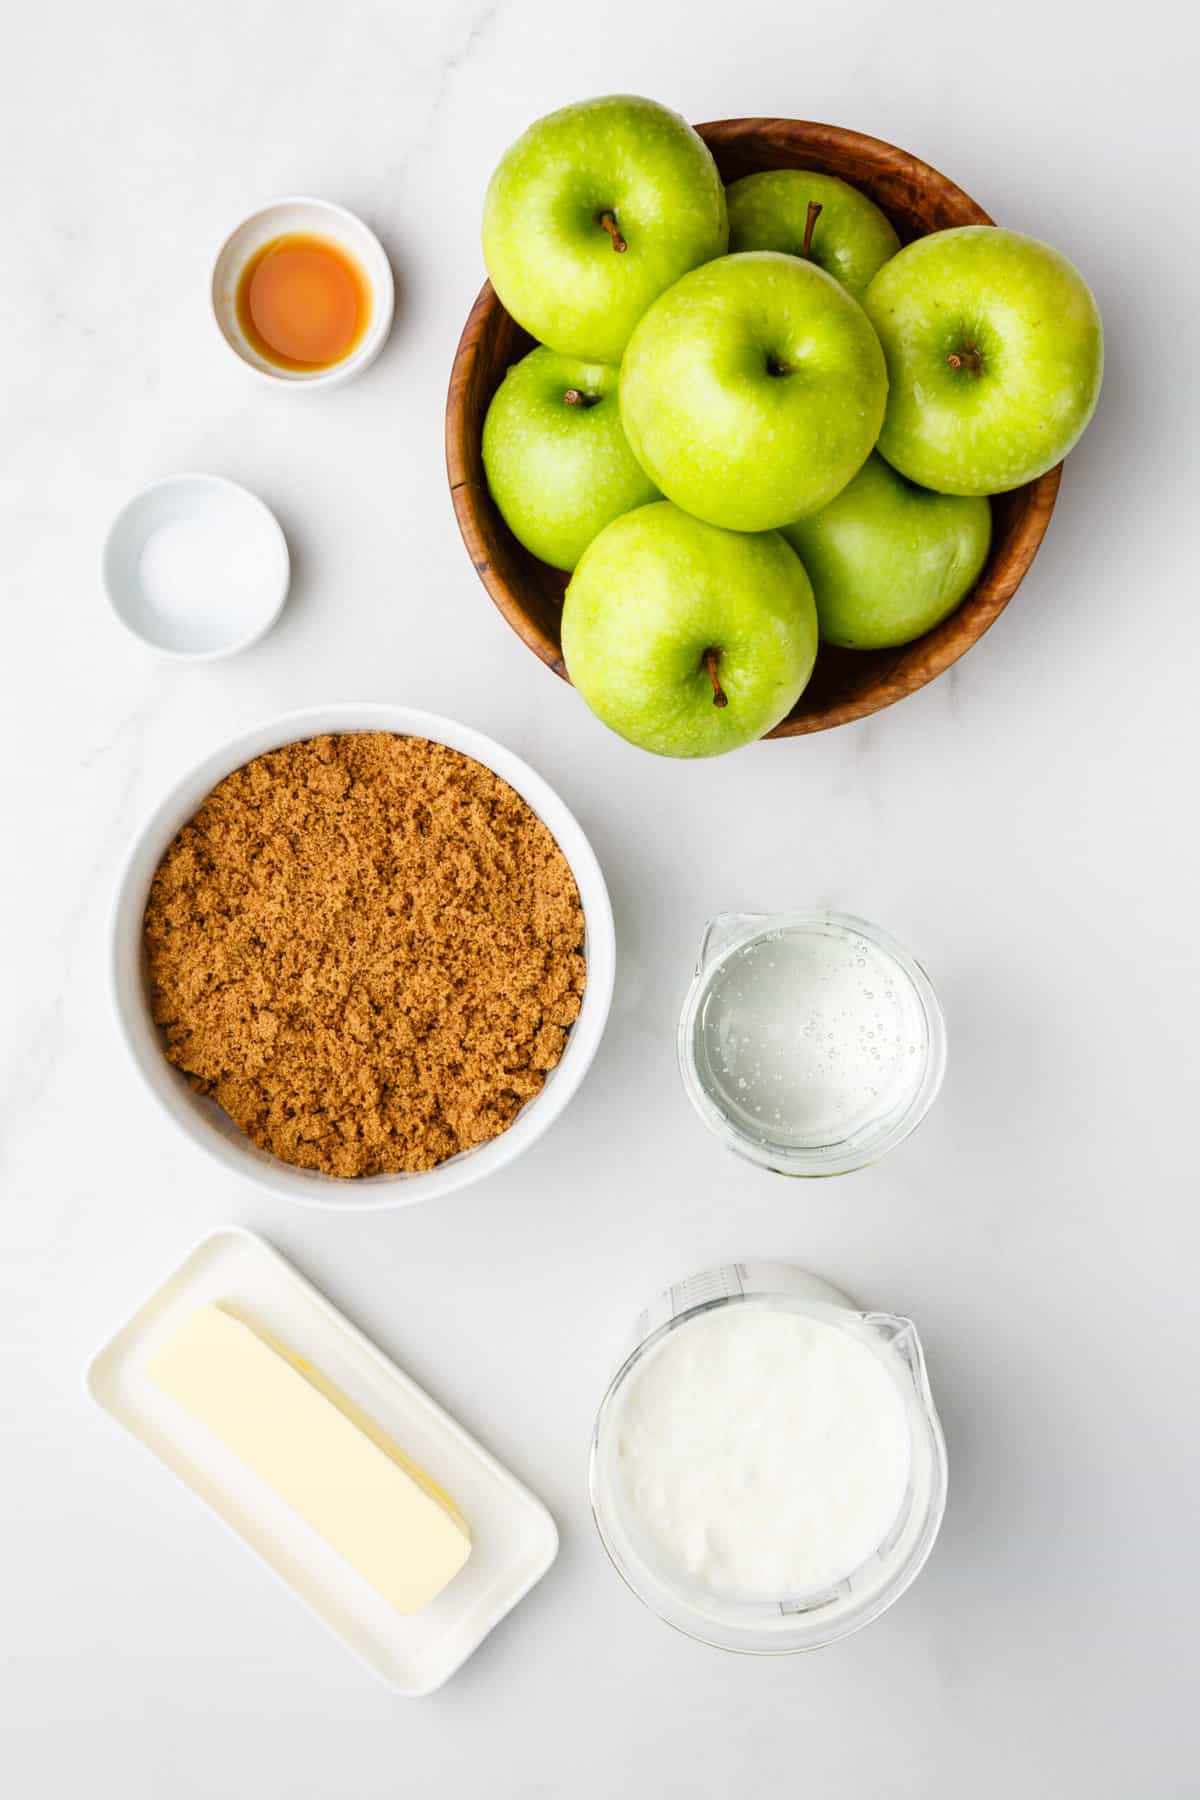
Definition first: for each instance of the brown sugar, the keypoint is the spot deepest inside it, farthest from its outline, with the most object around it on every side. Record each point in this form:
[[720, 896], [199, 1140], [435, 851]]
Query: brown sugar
[[368, 950]]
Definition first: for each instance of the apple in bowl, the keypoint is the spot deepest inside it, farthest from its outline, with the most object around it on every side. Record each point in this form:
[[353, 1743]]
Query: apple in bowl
[[687, 639], [753, 390], [592, 213], [995, 355], [889, 560], [818, 217], [558, 463]]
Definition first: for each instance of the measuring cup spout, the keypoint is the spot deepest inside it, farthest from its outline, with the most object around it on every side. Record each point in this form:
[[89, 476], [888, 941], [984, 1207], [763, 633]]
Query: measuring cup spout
[[901, 1334], [721, 931]]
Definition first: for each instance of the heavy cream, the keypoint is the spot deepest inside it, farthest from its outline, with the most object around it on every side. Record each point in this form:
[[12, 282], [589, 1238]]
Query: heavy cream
[[765, 1453]]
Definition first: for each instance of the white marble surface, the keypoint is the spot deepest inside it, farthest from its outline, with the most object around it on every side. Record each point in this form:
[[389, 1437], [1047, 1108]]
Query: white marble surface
[[1027, 824]]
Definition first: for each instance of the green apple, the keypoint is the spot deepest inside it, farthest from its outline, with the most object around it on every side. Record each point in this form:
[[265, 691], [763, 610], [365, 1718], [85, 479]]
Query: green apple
[[686, 639], [753, 390], [557, 462], [816, 216], [592, 213], [995, 354], [889, 560]]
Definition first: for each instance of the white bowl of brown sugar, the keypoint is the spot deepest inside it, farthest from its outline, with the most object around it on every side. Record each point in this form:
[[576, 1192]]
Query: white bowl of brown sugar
[[362, 955]]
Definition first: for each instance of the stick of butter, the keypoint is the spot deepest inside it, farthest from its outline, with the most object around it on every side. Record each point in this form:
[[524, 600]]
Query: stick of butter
[[319, 1452]]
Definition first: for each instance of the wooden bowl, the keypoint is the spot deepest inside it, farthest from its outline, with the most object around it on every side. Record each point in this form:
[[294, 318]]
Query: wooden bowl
[[846, 684]]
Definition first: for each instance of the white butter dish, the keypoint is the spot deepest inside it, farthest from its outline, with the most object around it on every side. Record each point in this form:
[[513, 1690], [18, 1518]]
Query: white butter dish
[[514, 1539]]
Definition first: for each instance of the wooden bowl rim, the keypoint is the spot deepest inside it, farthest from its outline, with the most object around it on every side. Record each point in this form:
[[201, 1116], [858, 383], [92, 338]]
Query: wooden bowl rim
[[915, 664]]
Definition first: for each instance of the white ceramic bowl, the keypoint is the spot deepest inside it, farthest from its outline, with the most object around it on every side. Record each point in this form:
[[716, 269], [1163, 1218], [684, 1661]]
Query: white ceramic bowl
[[323, 219], [199, 1117], [225, 578]]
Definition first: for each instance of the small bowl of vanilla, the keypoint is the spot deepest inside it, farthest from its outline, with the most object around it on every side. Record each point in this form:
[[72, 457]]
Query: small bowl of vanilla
[[303, 294]]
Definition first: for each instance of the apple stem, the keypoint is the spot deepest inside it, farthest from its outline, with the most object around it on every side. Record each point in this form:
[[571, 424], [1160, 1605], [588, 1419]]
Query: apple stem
[[813, 214], [577, 397], [965, 359], [609, 222], [711, 659]]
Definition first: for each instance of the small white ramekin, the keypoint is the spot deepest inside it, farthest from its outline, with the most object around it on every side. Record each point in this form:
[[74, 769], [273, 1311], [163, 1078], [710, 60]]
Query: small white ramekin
[[199, 1118], [323, 219], [231, 617]]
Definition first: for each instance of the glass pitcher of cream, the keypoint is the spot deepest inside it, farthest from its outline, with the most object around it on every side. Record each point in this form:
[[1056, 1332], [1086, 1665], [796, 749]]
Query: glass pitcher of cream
[[768, 1472], [809, 1042]]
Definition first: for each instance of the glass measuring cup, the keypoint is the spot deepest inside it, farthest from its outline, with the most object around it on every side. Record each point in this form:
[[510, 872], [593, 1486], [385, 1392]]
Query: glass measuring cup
[[809, 1042], [789, 1623]]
